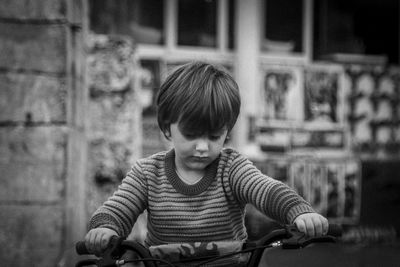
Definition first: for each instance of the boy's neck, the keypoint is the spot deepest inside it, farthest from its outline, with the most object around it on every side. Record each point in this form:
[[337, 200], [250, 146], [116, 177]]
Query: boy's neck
[[185, 188], [188, 176]]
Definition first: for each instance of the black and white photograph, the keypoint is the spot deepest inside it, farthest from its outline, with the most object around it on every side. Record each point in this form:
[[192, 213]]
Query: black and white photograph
[[199, 133]]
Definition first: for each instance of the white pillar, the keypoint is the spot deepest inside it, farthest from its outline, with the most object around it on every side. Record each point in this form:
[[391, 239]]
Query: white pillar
[[247, 43]]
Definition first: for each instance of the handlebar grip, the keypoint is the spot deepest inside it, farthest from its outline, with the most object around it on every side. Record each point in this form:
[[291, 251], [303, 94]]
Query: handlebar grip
[[335, 230], [81, 248]]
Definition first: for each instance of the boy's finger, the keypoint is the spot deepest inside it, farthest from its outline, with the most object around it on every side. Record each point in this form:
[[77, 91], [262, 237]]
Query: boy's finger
[[98, 243], [317, 226], [104, 242], [325, 225], [301, 226], [90, 244], [310, 228]]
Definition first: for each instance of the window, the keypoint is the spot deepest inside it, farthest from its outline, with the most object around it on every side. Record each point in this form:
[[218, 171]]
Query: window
[[197, 23], [358, 27], [141, 19], [283, 29], [156, 25], [231, 24]]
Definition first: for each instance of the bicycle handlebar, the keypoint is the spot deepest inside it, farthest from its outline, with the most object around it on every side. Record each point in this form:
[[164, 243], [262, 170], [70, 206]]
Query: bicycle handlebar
[[116, 248], [335, 230], [289, 236], [81, 248]]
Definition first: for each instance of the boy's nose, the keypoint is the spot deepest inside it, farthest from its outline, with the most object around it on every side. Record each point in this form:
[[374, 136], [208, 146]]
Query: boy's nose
[[201, 145]]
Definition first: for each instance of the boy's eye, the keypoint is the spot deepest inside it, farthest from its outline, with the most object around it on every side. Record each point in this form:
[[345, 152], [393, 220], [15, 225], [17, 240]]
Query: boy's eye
[[190, 136], [194, 136], [215, 137]]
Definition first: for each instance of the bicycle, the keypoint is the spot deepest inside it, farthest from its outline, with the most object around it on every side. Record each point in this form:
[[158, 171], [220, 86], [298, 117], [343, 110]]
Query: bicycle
[[287, 237]]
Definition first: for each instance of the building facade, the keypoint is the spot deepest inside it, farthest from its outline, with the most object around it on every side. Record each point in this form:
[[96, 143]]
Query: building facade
[[320, 84]]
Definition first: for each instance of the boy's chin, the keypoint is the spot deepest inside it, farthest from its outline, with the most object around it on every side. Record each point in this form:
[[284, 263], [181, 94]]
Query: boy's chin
[[198, 165]]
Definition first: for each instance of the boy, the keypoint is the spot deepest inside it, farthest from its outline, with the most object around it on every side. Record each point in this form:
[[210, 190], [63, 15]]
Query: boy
[[197, 191]]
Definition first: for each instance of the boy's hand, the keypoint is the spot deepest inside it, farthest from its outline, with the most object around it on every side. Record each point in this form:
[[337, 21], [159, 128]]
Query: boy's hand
[[312, 224], [96, 240]]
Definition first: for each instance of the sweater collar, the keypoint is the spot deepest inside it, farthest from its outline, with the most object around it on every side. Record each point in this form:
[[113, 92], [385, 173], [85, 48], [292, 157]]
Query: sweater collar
[[181, 186]]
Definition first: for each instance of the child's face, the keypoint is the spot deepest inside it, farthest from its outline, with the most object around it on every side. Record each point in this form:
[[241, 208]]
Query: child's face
[[195, 153]]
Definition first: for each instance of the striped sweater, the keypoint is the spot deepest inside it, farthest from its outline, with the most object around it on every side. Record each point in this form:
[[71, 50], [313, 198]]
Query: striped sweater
[[210, 210]]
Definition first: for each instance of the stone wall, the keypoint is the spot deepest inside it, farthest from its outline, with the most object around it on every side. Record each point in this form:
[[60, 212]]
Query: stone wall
[[114, 115], [42, 129], [69, 127]]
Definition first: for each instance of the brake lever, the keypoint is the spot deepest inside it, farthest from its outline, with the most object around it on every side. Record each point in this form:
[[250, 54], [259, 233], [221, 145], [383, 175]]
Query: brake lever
[[109, 258], [113, 253], [87, 262], [298, 239]]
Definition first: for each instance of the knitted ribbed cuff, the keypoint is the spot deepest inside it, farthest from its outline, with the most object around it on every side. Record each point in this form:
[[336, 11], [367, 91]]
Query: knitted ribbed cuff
[[104, 220], [298, 210]]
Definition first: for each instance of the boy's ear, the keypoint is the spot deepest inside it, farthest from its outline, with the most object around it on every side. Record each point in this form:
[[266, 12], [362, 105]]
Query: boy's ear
[[227, 138], [167, 133]]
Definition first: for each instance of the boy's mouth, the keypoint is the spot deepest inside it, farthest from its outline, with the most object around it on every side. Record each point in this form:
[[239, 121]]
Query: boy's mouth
[[200, 159]]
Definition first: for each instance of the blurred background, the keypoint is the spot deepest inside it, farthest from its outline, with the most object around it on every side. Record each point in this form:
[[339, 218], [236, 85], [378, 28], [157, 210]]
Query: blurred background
[[320, 84]]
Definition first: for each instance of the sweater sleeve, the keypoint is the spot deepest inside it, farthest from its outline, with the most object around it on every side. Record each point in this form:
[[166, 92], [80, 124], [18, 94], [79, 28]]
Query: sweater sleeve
[[121, 210], [272, 197]]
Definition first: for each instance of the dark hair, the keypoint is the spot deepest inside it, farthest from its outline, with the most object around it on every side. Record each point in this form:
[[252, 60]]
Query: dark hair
[[202, 98]]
